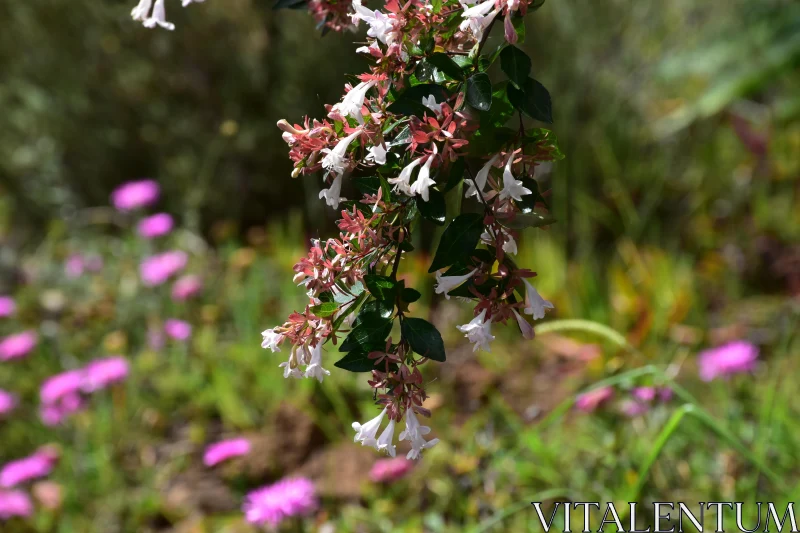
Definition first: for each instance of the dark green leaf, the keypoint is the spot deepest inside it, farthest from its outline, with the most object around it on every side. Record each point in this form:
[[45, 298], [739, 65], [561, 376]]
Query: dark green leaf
[[501, 110], [424, 338], [479, 91], [516, 64], [326, 309], [455, 174], [442, 61], [410, 102], [410, 295], [533, 100], [381, 287], [545, 140], [490, 140], [434, 208], [357, 361], [379, 308], [424, 71], [458, 240], [369, 333]]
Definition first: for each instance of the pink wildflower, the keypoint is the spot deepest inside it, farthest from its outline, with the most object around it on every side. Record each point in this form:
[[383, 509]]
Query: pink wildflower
[[14, 503], [157, 269], [591, 400], [7, 306], [17, 345], [60, 396], [155, 225], [101, 373], [285, 499], [388, 470], [178, 329], [7, 402], [135, 194], [40, 464], [733, 358], [186, 287], [224, 450]]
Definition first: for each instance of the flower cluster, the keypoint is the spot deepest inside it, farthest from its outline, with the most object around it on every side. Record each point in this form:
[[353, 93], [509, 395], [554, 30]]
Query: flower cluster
[[424, 121], [636, 402], [287, 498], [15, 501]]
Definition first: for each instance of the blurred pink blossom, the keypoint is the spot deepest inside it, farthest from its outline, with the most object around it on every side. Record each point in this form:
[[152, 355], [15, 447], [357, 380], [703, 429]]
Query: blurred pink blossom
[[157, 269], [73, 266], [591, 400], [17, 345], [224, 450], [155, 338], [135, 194], [55, 413], [186, 287], [155, 225], [388, 470], [40, 464], [101, 373], [178, 329], [7, 306], [7, 402], [645, 394], [733, 358], [633, 408], [287, 498], [14, 503], [60, 396]]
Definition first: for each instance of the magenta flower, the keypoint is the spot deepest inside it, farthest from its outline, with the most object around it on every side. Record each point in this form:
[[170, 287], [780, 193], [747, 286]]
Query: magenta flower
[[157, 269], [224, 450], [40, 464], [177, 329], [14, 503], [388, 470], [155, 226], [284, 499], [135, 194], [665, 394], [633, 408], [56, 413], [60, 396], [7, 306], [186, 287], [591, 400], [645, 394], [101, 373], [73, 266], [17, 345], [733, 358], [7, 402]]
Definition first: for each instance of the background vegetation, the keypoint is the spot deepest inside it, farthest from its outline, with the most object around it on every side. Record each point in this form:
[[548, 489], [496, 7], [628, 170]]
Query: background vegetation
[[678, 228]]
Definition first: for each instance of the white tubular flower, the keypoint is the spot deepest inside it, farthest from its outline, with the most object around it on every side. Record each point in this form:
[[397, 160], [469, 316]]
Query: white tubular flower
[[509, 246], [524, 326], [536, 306], [424, 180], [481, 177], [414, 433], [354, 101], [380, 24], [377, 154], [334, 193], [430, 103], [314, 369], [512, 187], [402, 182], [365, 433], [478, 17], [291, 367], [479, 332], [141, 11], [271, 340], [386, 438], [158, 17], [336, 160], [445, 284]]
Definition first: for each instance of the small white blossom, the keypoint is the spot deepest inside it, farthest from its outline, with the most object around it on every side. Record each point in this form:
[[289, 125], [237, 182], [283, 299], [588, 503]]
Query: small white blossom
[[402, 182], [414, 433], [535, 304], [354, 100], [479, 332], [424, 180], [314, 368], [509, 246], [478, 18], [481, 177], [365, 433], [524, 326], [430, 102], [336, 160], [445, 284], [386, 438], [377, 154], [380, 24], [272, 340], [334, 193], [158, 17], [512, 187]]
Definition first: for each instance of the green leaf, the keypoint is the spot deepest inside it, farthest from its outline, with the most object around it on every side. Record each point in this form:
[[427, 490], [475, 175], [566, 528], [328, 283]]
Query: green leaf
[[410, 295], [533, 100], [410, 101], [455, 174], [490, 140], [544, 140], [444, 63], [530, 220], [501, 111], [479, 91], [424, 338], [353, 308], [516, 64], [369, 333], [381, 287], [325, 309], [518, 21], [357, 361], [434, 208], [380, 308], [458, 240]]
